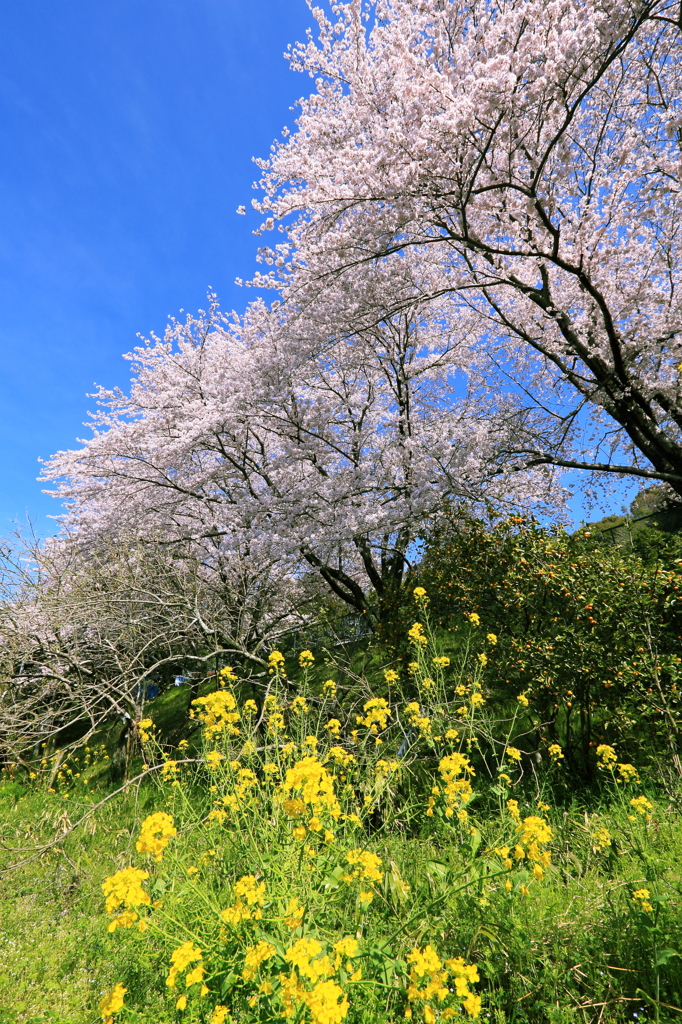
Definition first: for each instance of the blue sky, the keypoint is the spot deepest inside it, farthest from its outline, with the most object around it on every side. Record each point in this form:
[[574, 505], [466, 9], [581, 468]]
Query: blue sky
[[127, 130]]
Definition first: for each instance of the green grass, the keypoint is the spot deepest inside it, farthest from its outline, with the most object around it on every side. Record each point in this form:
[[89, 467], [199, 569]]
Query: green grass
[[572, 946], [575, 940]]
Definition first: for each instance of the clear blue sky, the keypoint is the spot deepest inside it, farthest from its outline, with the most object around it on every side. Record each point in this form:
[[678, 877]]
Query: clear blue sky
[[126, 130]]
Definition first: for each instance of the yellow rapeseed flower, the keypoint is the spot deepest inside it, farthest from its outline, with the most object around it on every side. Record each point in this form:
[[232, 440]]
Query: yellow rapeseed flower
[[366, 865], [643, 896], [306, 955], [607, 755], [416, 635], [628, 773], [181, 958], [219, 1015], [327, 1003], [601, 839], [345, 948], [255, 956], [124, 888], [145, 728], [641, 804], [113, 1001], [218, 712], [276, 663]]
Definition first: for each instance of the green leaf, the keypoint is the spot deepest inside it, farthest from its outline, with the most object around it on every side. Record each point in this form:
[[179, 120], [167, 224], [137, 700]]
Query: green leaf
[[665, 956], [437, 868], [229, 982]]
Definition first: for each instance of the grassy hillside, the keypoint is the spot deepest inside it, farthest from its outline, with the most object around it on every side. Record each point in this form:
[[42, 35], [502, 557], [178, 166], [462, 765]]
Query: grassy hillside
[[336, 846]]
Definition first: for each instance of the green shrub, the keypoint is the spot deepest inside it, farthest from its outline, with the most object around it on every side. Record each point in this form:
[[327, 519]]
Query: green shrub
[[588, 632]]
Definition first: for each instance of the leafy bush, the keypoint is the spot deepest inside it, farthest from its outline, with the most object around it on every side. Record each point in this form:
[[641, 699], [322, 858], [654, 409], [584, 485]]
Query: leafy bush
[[589, 633]]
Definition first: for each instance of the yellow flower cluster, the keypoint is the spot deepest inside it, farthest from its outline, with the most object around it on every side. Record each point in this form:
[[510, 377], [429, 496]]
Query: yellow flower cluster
[[181, 959], [457, 791], [534, 833], [249, 898], [601, 839], [627, 773], [366, 865], [218, 713], [155, 833], [213, 759], [341, 756], [432, 980], [416, 635], [383, 768], [220, 1015], [643, 897], [112, 1002], [607, 756], [255, 956], [245, 781], [276, 722], [124, 889], [310, 963], [377, 714], [295, 913], [276, 663], [641, 805], [314, 786], [170, 770], [144, 728], [417, 720], [306, 659]]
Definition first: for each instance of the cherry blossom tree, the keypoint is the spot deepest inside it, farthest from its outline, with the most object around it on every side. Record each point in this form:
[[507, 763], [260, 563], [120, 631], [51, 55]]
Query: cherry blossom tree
[[523, 157], [281, 439]]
